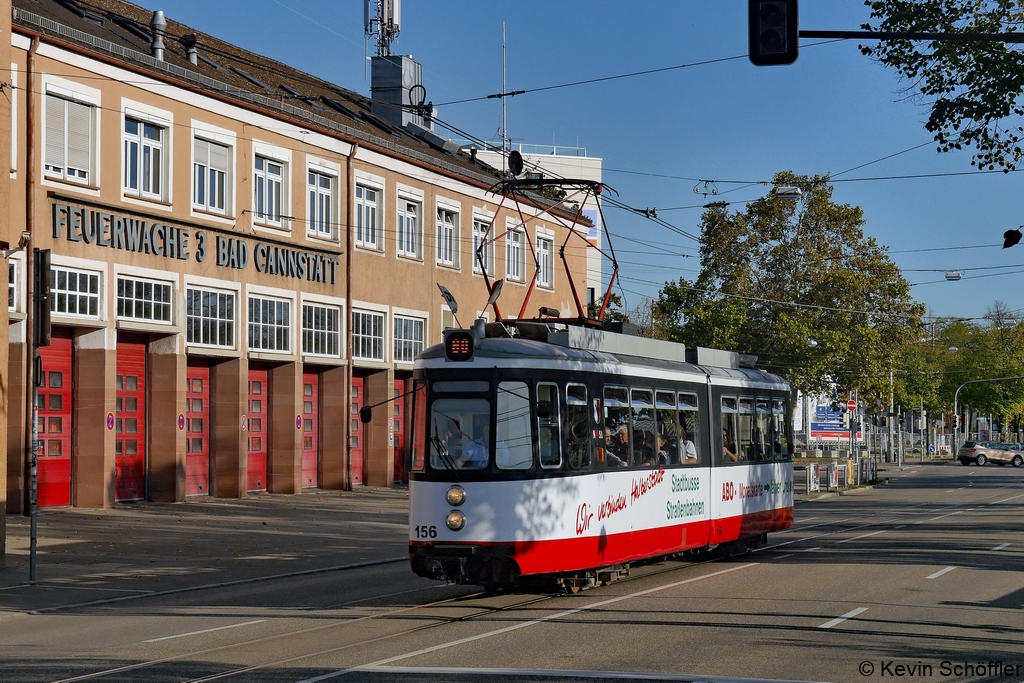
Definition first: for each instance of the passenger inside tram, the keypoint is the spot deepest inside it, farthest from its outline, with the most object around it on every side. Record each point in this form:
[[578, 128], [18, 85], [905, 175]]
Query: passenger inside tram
[[688, 450], [617, 450], [729, 447]]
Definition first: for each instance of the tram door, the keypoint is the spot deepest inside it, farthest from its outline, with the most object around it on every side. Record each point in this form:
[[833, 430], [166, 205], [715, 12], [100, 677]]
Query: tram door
[[310, 428], [54, 473], [130, 444], [197, 428], [358, 432], [259, 430], [399, 430]]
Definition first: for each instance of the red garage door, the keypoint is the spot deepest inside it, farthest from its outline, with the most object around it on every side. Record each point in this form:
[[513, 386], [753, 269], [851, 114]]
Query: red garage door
[[130, 446], [54, 473], [399, 426], [356, 445], [197, 428], [310, 428], [259, 429]]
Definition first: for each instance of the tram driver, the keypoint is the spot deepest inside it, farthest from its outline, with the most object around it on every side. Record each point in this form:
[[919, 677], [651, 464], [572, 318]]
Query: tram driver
[[477, 454]]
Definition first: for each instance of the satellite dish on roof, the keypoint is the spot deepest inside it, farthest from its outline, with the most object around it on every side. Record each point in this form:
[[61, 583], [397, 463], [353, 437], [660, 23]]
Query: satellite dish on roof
[[515, 162]]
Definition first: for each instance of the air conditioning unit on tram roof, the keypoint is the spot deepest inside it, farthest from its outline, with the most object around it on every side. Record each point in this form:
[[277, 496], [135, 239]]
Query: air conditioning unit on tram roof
[[591, 339]]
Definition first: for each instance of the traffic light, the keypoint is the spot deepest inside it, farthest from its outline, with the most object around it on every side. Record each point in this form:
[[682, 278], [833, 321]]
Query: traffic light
[[41, 296], [773, 31], [956, 422], [846, 419]]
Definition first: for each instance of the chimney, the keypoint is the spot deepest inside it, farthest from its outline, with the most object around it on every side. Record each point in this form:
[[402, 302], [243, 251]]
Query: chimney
[[191, 43], [159, 26], [395, 83]]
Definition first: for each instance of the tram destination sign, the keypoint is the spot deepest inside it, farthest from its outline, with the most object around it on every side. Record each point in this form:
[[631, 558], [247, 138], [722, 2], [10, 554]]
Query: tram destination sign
[[124, 233]]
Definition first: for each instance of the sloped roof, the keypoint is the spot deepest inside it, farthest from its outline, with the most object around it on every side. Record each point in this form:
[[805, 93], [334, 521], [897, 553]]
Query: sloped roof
[[120, 30]]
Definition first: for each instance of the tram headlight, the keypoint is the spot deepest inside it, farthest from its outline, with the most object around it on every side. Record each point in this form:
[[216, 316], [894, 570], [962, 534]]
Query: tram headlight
[[455, 496], [455, 520]]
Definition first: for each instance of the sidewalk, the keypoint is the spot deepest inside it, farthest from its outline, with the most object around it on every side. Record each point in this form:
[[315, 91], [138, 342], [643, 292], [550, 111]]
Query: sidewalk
[[87, 554]]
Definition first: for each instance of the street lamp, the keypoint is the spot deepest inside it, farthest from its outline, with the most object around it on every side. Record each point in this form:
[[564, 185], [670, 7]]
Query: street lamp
[[812, 343], [956, 395]]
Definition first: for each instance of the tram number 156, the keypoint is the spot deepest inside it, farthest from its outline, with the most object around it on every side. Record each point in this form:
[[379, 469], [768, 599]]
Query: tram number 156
[[424, 531]]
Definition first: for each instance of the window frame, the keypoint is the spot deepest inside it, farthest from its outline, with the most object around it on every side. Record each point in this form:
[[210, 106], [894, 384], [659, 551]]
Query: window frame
[[268, 187], [409, 241], [199, 319], [448, 237], [480, 227], [158, 168], [327, 333], [586, 461], [211, 141], [13, 270], [695, 436], [89, 296], [395, 319], [358, 335], [315, 218], [552, 422], [135, 280], [275, 327], [515, 253], [374, 208], [542, 281], [86, 176]]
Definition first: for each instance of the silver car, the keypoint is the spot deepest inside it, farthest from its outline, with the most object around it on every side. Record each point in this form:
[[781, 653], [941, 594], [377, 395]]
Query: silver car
[[981, 452]]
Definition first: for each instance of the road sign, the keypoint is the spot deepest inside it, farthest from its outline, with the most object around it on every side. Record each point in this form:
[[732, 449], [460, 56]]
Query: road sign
[[851, 405]]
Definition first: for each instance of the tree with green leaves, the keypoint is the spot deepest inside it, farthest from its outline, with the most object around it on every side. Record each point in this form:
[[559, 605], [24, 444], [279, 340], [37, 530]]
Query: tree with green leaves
[[972, 88], [798, 285]]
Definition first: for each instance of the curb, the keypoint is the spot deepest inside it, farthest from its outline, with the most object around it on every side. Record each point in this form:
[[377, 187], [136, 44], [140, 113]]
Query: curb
[[836, 494]]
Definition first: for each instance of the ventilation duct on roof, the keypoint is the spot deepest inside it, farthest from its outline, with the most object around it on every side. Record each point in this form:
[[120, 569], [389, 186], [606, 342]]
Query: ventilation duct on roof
[[396, 84], [159, 26], [191, 43]]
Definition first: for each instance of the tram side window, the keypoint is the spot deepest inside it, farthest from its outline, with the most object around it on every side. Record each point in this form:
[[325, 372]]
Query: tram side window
[[762, 430], [419, 426], [616, 426], [668, 428], [460, 438], [645, 445], [691, 448], [730, 451], [577, 427], [548, 437], [514, 431], [746, 433], [782, 443]]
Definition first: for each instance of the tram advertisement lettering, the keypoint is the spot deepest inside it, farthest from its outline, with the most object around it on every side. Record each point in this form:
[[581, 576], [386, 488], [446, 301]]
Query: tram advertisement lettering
[[611, 506], [682, 483], [79, 224], [583, 517], [642, 486], [678, 509]]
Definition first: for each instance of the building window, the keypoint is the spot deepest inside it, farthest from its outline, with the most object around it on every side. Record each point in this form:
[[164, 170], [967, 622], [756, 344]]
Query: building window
[[447, 321], [69, 128], [479, 232], [143, 158], [367, 335], [545, 259], [269, 325], [447, 237], [12, 283], [514, 261], [367, 233], [211, 317], [74, 292], [267, 188], [321, 205], [210, 176], [408, 238], [143, 300], [408, 338], [321, 331]]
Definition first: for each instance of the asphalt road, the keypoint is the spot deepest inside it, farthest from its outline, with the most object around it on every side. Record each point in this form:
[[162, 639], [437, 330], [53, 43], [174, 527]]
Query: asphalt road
[[926, 573]]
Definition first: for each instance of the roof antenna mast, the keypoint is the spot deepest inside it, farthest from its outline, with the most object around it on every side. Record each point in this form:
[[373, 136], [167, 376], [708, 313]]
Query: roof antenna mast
[[382, 18]]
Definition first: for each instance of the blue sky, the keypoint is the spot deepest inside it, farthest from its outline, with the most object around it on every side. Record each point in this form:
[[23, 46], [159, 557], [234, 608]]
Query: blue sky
[[831, 111]]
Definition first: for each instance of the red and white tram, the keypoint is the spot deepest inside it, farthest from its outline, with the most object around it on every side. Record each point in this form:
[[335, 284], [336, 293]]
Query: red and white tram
[[567, 453]]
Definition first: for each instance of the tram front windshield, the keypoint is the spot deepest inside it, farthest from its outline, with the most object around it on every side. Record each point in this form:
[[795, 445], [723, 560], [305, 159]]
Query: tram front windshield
[[459, 433]]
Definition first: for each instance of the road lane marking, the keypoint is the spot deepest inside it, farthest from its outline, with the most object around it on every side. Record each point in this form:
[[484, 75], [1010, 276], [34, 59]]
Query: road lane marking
[[1006, 499], [583, 674], [1000, 547], [810, 550], [958, 512], [525, 624], [849, 615], [940, 573], [900, 526], [205, 630], [781, 557], [873, 533]]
